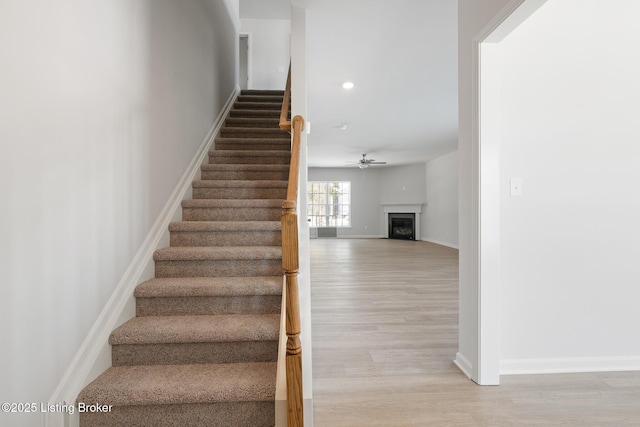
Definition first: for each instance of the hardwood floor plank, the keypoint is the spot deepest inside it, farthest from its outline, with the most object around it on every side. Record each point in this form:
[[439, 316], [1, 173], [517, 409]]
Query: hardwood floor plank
[[385, 333]]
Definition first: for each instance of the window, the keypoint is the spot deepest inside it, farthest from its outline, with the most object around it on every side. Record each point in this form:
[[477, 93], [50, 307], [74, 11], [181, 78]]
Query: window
[[329, 204]]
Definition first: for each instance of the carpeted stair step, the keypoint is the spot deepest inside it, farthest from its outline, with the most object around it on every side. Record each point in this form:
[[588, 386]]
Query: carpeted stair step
[[247, 113], [245, 172], [173, 340], [225, 394], [202, 349], [258, 105], [239, 189], [253, 122], [225, 233], [182, 296], [281, 144], [232, 210], [273, 157], [253, 132], [218, 261], [260, 98], [263, 92]]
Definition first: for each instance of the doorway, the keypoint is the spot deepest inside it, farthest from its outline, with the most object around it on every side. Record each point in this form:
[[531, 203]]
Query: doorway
[[245, 61]]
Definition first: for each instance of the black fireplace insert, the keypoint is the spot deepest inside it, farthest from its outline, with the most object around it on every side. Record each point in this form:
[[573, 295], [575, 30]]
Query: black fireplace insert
[[402, 226]]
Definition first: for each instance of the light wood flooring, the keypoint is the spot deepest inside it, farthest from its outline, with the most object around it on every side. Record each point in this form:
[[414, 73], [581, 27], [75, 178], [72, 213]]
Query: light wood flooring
[[385, 315]]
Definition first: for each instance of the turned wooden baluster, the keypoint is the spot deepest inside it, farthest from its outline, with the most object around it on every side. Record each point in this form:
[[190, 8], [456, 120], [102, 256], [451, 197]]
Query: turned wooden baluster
[[290, 265]]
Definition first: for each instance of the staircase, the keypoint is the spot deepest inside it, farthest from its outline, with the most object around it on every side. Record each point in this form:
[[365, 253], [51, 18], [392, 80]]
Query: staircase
[[203, 346]]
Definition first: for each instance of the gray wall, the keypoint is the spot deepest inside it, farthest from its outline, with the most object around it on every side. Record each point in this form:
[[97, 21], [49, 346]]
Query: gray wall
[[103, 106]]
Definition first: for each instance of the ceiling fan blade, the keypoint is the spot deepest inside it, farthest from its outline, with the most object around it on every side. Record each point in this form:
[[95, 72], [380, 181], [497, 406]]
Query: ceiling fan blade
[[377, 163]]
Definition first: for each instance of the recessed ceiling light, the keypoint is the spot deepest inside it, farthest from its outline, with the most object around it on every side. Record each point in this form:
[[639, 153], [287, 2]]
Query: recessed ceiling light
[[347, 85], [343, 126]]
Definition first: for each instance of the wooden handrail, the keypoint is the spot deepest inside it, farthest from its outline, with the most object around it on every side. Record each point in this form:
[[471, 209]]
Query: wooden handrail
[[290, 265], [285, 123]]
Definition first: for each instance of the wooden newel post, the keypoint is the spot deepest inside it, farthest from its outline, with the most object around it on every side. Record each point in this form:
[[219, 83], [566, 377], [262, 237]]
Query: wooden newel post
[[294, 351]]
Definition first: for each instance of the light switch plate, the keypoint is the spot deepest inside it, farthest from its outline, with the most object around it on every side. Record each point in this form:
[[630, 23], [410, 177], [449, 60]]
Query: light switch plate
[[516, 187]]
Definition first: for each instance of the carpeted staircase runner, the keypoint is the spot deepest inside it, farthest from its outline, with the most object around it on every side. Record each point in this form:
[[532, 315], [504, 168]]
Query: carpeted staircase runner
[[203, 346]]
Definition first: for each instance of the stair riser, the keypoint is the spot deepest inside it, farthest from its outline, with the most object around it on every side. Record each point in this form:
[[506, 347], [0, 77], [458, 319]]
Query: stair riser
[[249, 160], [255, 113], [274, 106], [226, 238], [218, 268], [246, 175], [260, 92], [231, 214], [260, 98], [252, 122], [188, 306], [234, 132], [239, 193], [236, 414], [194, 353], [264, 144]]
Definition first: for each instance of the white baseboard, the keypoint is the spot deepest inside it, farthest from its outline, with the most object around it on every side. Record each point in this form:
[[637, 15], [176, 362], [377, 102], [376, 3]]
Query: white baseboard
[[463, 364], [94, 355], [568, 365], [441, 243]]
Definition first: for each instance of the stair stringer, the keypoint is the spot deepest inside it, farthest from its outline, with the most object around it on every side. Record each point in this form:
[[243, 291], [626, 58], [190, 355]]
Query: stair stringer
[[94, 355]]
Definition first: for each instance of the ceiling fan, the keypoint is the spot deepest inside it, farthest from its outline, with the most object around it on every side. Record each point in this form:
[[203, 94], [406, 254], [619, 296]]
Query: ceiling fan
[[364, 163]]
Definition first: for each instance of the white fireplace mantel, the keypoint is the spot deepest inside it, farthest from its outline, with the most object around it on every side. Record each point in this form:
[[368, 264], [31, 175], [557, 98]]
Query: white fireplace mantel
[[414, 208]]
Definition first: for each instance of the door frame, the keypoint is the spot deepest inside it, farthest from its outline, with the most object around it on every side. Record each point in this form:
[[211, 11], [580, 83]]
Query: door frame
[[248, 36], [486, 184]]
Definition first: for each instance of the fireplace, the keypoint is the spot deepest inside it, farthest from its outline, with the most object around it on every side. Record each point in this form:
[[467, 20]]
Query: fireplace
[[402, 226]]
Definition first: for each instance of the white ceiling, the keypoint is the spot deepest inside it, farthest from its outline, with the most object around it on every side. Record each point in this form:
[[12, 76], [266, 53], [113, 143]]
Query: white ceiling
[[402, 57]]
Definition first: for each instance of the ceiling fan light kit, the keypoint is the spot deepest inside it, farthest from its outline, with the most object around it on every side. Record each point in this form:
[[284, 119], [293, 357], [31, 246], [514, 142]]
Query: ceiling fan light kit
[[364, 163]]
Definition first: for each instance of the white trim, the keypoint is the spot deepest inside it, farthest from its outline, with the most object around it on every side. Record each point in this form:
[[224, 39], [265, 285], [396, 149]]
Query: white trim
[[368, 236], [463, 364], [414, 208], [90, 359], [569, 365], [485, 250], [281, 373], [441, 243]]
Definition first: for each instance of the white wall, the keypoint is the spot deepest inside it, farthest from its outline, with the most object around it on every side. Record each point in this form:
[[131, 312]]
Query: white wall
[[103, 105], [569, 245], [440, 215], [270, 51], [473, 17]]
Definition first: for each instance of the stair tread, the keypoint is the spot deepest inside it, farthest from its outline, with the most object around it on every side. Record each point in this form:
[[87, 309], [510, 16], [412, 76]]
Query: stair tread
[[205, 253], [197, 329], [182, 384], [227, 139], [269, 121], [225, 226], [240, 183], [233, 203], [248, 112], [259, 105], [254, 153], [259, 167], [209, 287]]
